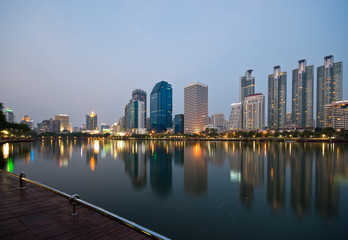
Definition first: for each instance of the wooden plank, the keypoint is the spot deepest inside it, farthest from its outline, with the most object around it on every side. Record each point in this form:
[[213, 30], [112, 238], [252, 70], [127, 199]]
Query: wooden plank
[[36, 213]]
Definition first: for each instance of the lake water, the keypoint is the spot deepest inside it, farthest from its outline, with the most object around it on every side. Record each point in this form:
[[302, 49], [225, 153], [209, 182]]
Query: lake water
[[200, 190]]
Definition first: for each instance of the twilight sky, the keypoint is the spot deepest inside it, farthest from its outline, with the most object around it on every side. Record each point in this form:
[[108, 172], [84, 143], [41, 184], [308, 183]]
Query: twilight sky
[[73, 57]]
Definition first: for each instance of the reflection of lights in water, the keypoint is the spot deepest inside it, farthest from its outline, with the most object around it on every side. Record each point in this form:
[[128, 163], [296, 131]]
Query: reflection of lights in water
[[96, 146], [92, 163], [323, 151], [272, 173], [197, 150], [235, 176], [32, 155], [6, 150], [10, 165], [62, 149], [290, 148]]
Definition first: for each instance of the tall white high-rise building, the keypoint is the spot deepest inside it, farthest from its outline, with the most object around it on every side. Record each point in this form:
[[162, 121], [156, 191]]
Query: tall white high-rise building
[[302, 95], [195, 107], [247, 85], [254, 112], [277, 99], [329, 86], [235, 120]]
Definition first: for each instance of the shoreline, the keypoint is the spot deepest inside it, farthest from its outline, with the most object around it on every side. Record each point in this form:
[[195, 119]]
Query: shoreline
[[287, 140]]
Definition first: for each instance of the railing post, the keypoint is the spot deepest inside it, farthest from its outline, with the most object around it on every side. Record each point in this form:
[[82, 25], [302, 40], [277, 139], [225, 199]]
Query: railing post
[[22, 181], [72, 201]]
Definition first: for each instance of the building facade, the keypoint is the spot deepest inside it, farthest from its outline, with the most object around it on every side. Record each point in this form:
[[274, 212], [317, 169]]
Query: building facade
[[140, 95], [302, 95], [277, 99], [135, 117], [179, 123], [161, 107], [10, 117], [336, 115], [27, 121], [64, 122], [195, 107], [329, 86], [235, 120], [219, 121], [92, 121], [254, 112], [247, 85]]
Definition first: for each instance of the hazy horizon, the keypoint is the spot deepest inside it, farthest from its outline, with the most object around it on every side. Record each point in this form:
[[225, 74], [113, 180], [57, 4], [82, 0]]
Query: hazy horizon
[[74, 57]]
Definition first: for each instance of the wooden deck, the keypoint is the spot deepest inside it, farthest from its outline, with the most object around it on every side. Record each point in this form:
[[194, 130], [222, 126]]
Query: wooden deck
[[36, 213]]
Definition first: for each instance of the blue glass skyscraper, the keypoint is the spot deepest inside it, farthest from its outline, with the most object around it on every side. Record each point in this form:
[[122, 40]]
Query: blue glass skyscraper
[[161, 107]]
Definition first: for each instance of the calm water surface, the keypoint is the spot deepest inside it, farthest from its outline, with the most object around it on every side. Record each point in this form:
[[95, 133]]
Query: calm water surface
[[200, 190]]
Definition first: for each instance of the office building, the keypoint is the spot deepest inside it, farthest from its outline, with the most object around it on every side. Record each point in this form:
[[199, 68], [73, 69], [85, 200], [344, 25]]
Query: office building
[[195, 107], [235, 120], [64, 122], [140, 95], [161, 107], [247, 85], [277, 99], [254, 112], [10, 116], [92, 122], [336, 115], [218, 121], [27, 121], [329, 86], [179, 123], [302, 95], [135, 117]]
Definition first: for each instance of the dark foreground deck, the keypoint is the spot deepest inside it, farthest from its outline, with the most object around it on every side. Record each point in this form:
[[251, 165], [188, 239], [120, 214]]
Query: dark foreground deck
[[36, 213]]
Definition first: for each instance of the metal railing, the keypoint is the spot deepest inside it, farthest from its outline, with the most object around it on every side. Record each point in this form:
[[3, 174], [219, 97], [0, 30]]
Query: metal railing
[[75, 199]]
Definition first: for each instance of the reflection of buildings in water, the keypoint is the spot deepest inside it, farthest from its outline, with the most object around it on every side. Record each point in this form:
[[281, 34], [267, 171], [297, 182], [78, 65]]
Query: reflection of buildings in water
[[161, 169], [275, 176], [247, 168], [301, 177], [216, 153], [135, 163], [179, 152], [60, 151], [195, 169], [328, 164], [252, 172], [235, 156]]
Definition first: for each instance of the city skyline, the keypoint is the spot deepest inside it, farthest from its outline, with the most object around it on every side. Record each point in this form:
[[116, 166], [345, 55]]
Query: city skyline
[[55, 55]]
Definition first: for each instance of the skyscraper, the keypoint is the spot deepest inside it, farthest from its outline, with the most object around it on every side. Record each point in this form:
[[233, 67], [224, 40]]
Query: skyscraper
[[179, 123], [135, 117], [161, 107], [254, 112], [92, 121], [235, 120], [218, 121], [27, 120], [10, 116], [277, 99], [140, 95], [329, 86], [247, 85], [302, 95], [195, 107], [64, 122]]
